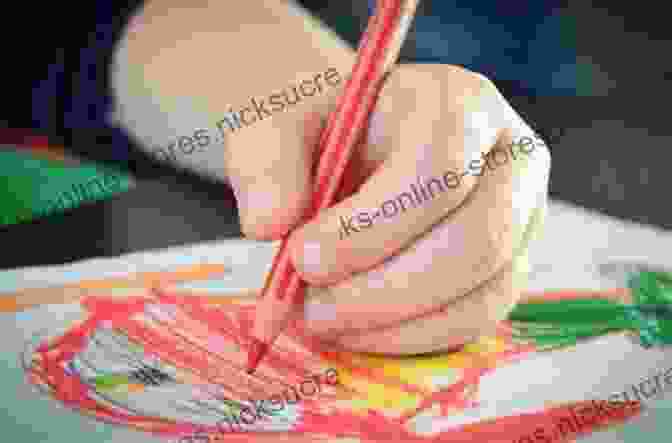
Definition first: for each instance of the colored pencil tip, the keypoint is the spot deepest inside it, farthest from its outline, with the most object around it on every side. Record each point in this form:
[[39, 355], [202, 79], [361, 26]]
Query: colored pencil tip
[[257, 352]]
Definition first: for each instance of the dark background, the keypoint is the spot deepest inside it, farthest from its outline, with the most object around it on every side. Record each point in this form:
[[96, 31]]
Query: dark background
[[610, 148]]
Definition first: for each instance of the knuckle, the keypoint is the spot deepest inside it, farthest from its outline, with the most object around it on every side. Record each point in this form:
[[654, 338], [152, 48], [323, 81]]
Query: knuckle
[[442, 81], [476, 83], [473, 92], [465, 76]]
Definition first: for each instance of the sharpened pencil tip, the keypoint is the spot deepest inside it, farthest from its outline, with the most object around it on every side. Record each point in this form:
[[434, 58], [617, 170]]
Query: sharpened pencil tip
[[256, 353]]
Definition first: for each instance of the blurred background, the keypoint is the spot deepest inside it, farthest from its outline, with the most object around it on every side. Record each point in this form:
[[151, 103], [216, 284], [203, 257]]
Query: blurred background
[[593, 77]]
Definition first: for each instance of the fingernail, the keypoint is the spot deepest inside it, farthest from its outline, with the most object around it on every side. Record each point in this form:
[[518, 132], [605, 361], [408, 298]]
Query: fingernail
[[310, 261]]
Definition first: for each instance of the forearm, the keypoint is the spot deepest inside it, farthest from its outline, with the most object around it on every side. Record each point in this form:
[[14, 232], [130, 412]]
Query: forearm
[[181, 67]]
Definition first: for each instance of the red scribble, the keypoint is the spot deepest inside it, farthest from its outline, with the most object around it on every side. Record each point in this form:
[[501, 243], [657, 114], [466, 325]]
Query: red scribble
[[294, 357]]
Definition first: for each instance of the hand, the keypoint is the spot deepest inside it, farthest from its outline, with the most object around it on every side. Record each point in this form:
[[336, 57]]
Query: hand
[[430, 250]]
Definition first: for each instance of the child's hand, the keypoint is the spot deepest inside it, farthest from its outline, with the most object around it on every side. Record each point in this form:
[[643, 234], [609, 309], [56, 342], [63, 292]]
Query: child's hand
[[420, 257]]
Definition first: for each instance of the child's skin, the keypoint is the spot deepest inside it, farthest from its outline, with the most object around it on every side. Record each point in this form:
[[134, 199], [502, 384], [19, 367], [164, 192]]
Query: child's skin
[[430, 278]]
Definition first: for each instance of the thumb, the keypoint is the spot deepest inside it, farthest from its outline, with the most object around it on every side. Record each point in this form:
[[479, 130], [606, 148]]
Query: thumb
[[270, 172]]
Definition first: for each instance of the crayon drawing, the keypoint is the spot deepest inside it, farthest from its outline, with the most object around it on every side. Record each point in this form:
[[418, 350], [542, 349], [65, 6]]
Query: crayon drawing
[[159, 356]]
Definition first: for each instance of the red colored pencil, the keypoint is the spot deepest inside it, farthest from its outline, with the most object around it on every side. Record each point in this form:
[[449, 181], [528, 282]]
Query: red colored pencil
[[378, 52]]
